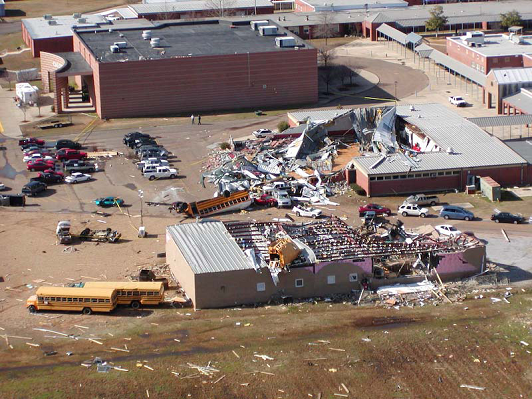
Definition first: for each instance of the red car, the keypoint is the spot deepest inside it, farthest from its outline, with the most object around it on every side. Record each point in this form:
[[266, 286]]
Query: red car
[[266, 199], [40, 165], [66, 153], [31, 140], [53, 172], [378, 209], [43, 153]]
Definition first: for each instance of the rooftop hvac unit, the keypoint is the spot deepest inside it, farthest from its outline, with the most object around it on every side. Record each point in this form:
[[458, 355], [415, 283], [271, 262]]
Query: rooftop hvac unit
[[287, 41], [155, 42], [255, 24], [76, 15], [120, 44], [47, 16], [82, 20], [114, 49], [52, 22], [146, 35], [268, 30]]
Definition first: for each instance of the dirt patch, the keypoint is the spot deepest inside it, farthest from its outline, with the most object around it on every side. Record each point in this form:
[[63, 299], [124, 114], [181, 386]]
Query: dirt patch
[[387, 321]]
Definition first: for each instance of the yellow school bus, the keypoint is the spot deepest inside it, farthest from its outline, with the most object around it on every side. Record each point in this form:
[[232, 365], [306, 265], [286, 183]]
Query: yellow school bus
[[133, 293], [73, 299]]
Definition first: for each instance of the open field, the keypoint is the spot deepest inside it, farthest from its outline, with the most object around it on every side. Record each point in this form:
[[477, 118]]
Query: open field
[[10, 42], [311, 351], [16, 10], [24, 60]]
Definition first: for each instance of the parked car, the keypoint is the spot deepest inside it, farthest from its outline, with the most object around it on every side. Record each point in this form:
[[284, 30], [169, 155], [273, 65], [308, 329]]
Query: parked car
[[73, 145], [53, 172], [282, 198], [307, 211], [507, 217], [107, 202], [66, 153], [378, 209], [31, 147], [422, 199], [33, 188], [152, 161], [260, 133], [447, 230], [48, 178], [41, 151], [142, 141], [31, 140], [161, 172], [458, 101], [75, 165], [456, 212], [77, 177], [2, 186], [149, 147], [412, 210], [40, 164], [265, 199], [35, 156], [131, 137], [153, 153]]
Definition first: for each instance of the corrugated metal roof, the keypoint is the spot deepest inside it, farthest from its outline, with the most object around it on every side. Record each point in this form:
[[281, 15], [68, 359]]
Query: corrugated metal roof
[[318, 115], [472, 146], [521, 100], [208, 247], [458, 67], [502, 120], [512, 75], [379, 18], [413, 38], [194, 5], [392, 33], [424, 50]]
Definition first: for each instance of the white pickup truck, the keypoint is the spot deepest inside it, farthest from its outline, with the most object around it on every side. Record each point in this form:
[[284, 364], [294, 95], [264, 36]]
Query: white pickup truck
[[161, 172], [458, 101]]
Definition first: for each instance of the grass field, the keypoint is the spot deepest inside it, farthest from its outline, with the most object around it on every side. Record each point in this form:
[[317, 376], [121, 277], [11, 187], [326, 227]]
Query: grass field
[[312, 351]]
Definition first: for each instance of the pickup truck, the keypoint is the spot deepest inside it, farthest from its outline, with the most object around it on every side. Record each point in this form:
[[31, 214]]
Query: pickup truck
[[152, 161], [422, 199], [458, 101], [73, 165], [161, 172]]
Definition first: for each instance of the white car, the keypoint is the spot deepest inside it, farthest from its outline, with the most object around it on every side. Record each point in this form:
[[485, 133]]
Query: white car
[[447, 230], [412, 210], [308, 212], [77, 177], [458, 101], [2, 186], [33, 157], [260, 133]]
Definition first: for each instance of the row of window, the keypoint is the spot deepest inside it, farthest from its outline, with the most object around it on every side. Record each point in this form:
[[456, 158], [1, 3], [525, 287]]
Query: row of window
[[68, 299], [224, 205], [415, 175], [137, 293], [299, 282]]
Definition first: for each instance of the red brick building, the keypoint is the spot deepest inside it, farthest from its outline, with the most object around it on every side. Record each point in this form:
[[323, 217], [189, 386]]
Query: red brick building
[[186, 67]]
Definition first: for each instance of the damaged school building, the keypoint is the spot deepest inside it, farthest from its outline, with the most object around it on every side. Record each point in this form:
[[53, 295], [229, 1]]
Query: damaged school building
[[220, 264]]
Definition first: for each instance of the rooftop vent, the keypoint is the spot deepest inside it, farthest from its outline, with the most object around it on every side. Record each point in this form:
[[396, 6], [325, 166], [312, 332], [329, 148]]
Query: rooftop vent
[[121, 44], [155, 42], [52, 22], [287, 41], [268, 30], [114, 49], [146, 35], [47, 16], [76, 15], [255, 24], [82, 20], [450, 150]]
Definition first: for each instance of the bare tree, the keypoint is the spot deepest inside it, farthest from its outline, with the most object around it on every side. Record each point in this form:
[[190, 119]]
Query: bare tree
[[8, 76], [326, 26], [327, 76], [220, 8], [24, 108], [325, 56], [39, 102]]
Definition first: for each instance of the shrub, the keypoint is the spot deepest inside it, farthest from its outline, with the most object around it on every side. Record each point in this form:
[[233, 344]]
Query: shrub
[[359, 190], [282, 126], [225, 146]]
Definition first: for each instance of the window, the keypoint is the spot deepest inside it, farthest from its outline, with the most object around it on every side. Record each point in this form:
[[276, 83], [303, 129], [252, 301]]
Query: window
[[448, 173], [387, 177], [380, 178], [94, 300], [299, 282], [402, 177], [261, 287], [426, 174], [440, 173], [506, 59], [331, 279], [395, 177], [353, 277], [371, 178], [101, 300], [495, 60], [86, 300], [455, 172], [417, 175]]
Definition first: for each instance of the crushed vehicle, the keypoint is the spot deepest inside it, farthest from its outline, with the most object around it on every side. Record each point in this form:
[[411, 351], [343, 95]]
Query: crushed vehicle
[[12, 200], [63, 232], [265, 200], [282, 198], [107, 235], [232, 202], [307, 211]]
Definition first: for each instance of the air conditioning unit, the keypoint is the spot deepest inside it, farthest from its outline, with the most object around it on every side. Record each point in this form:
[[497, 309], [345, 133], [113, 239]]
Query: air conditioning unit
[[76, 15], [268, 30], [146, 34], [120, 44], [286, 41], [47, 16], [114, 49], [82, 20], [52, 22], [255, 24]]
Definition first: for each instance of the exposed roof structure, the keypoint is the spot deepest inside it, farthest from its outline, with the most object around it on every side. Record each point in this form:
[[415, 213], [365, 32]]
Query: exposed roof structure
[[497, 45], [458, 67], [183, 39], [471, 146], [59, 26], [501, 120], [521, 100], [192, 5], [317, 115], [208, 247], [512, 75]]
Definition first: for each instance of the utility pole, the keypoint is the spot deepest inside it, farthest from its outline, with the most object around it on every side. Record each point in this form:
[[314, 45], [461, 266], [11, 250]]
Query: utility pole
[[142, 229]]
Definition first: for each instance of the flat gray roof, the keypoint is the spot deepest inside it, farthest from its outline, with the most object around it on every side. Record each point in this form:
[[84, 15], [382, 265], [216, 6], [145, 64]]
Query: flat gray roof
[[59, 26], [522, 146], [497, 45], [193, 5], [458, 67], [184, 39], [354, 4], [208, 247], [472, 146], [75, 65]]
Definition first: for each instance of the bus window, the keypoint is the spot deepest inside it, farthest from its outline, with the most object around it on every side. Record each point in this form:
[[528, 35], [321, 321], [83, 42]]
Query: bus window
[[130, 293], [150, 293], [63, 299], [107, 301], [143, 293], [94, 300], [69, 299], [86, 299]]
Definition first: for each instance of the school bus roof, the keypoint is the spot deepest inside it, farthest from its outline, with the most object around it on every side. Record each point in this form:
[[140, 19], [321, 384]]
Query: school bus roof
[[75, 291], [126, 285]]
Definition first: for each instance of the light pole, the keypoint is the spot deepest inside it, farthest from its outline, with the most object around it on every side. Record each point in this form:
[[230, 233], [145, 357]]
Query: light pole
[[142, 229]]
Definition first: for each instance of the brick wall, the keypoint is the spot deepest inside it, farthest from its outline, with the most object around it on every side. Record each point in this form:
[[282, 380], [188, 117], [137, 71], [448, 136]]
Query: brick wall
[[205, 13], [202, 84], [301, 6], [527, 60], [49, 64]]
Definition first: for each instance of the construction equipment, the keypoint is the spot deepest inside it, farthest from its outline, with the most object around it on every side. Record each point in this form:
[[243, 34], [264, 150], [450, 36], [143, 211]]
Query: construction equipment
[[107, 235]]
